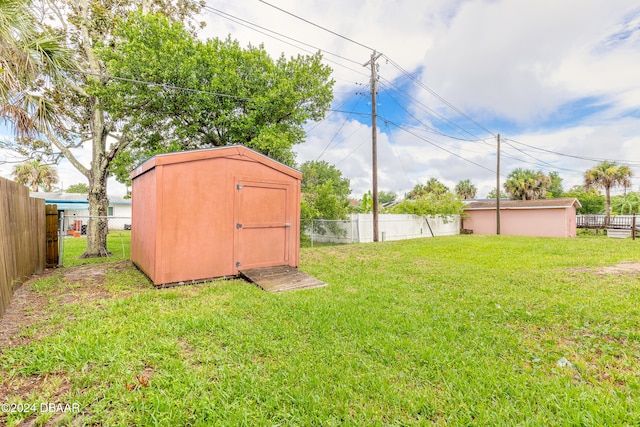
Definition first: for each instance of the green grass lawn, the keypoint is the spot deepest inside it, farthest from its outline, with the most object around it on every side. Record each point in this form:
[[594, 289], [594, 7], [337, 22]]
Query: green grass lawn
[[462, 330], [118, 243]]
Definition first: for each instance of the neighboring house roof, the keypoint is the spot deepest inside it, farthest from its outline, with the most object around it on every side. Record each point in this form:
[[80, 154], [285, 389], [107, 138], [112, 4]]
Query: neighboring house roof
[[562, 203], [74, 201]]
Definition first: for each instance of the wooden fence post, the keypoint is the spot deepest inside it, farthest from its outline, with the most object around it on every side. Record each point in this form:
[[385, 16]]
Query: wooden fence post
[[52, 236], [633, 227]]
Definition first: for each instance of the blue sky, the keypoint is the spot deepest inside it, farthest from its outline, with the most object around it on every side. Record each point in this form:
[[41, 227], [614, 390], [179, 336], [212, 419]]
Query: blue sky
[[561, 77]]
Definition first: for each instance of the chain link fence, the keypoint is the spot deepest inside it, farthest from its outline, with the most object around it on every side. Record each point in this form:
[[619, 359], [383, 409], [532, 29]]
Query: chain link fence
[[73, 236], [319, 231], [359, 228]]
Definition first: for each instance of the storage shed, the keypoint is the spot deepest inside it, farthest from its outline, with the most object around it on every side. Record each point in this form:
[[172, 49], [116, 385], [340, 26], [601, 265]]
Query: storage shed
[[546, 217], [205, 214]]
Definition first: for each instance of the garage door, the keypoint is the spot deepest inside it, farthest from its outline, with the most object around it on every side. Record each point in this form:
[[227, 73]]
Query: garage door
[[263, 224]]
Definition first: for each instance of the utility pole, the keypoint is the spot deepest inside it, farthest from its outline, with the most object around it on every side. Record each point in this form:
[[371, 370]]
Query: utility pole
[[374, 139], [498, 188]]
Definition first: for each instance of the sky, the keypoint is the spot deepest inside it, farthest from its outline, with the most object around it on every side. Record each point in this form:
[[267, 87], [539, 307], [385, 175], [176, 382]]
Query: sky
[[557, 80]]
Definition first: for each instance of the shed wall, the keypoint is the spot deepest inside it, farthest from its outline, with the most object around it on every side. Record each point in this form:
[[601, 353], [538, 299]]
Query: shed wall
[[196, 221], [144, 223]]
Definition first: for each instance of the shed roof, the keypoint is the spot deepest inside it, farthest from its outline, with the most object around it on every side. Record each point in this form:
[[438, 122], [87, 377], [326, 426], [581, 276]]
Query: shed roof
[[561, 203], [211, 153]]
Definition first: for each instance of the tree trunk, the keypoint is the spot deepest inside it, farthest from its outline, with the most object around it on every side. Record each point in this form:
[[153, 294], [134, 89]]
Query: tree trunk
[[99, 172], [98, 201], [98, 224]]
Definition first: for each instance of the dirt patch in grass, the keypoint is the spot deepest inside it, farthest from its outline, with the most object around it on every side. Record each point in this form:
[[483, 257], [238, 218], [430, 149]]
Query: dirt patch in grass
[[26, 308], [20, 389], [632, 268], [29, 306], [86, 274]]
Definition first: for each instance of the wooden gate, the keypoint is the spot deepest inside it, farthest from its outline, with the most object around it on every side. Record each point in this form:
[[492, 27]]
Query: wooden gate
[[52, 235]]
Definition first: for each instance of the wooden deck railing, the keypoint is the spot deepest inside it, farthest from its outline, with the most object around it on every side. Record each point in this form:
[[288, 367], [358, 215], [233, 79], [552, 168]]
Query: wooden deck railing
[[616, 222]]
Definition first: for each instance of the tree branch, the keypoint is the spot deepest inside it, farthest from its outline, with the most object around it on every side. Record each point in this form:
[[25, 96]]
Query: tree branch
[[122, 143], [76, 88], [68, 154]]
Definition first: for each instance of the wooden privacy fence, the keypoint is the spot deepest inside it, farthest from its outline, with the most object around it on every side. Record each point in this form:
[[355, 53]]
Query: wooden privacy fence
[[22, 238]]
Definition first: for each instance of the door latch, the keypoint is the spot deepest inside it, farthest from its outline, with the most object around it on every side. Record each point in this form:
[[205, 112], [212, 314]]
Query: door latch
[[238, 225]]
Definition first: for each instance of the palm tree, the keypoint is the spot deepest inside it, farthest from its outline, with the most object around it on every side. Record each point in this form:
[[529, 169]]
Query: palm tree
[[466, 189], [527, 184], [34, 174], [435, 187], [27, 53], [607, 175]]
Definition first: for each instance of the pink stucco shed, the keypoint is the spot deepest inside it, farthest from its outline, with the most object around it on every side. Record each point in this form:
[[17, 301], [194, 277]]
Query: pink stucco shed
[[548, 217]]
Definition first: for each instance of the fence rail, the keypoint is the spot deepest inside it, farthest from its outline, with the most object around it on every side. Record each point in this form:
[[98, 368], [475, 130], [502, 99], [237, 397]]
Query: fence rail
[[22, 238], [616, 222]]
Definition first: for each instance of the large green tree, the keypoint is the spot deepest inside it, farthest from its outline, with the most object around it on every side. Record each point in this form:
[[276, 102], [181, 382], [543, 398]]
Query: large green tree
[[527, 184], [608, 175], [35, 174], [591, 200], [208, 93], [325, 191]]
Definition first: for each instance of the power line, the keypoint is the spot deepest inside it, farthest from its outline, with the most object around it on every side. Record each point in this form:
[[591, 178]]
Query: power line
[[429, 128], [161, 85], [436, 115], [404, 169], [434, 144], [591, 159], [297, 47], [337, 132], [432, 92], [318, 26], [354, 150], [249, 25], [331, 112]]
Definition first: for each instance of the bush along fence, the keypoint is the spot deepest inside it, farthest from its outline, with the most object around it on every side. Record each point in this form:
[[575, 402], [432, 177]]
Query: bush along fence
[[359, 228], [23, 238]]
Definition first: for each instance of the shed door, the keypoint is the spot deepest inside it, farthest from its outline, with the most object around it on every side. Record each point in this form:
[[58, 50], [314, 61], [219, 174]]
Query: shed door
[[263, 224]]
